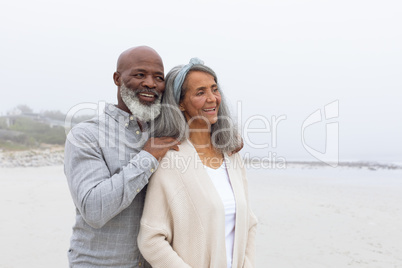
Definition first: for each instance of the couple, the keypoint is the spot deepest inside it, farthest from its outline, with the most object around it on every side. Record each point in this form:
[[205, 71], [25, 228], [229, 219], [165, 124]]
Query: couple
[[196, 211]]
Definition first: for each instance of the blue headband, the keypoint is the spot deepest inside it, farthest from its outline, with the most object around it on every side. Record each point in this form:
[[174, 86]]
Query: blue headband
[[179, 80]]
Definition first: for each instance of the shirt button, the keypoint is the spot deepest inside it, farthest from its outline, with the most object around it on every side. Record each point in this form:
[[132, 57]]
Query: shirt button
[[138, 190], [126, 124], [152, 170], [131, 117], [138, 132], [139, 264]]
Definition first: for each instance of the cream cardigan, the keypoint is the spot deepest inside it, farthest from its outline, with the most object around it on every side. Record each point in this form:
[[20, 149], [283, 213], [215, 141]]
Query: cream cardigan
[[183, 223]]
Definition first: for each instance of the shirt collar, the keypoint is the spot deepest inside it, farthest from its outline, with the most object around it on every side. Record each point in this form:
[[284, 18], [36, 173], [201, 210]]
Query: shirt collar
[[117, 114], [114, 112]]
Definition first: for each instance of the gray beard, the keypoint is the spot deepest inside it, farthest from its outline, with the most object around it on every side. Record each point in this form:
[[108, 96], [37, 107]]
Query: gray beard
[[143, 112]]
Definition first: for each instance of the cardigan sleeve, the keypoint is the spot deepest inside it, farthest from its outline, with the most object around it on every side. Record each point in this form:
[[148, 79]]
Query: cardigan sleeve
[[250, 248], [249, 261], [155, 229], [156, 249]]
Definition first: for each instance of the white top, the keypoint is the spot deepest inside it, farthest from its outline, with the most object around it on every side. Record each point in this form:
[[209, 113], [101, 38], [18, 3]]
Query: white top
[[220, 179]]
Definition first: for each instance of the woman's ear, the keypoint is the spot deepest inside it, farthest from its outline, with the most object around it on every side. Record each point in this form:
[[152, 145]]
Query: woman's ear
[[181, 107]]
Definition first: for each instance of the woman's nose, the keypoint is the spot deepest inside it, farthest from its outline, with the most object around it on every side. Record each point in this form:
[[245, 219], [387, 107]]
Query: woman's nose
[[211, 97]]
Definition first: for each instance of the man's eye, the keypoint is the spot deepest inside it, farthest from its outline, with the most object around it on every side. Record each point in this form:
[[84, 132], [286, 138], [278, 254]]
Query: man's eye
[[139, 75], [160, 78]]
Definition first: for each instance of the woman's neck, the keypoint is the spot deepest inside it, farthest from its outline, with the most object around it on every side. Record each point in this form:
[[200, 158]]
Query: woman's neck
[[200, 139]]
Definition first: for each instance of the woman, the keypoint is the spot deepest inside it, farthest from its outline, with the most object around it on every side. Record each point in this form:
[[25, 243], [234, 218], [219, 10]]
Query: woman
[[196, 210]]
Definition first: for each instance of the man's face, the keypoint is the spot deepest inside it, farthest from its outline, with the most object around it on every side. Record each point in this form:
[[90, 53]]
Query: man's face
[[144, 76], [141, 84]]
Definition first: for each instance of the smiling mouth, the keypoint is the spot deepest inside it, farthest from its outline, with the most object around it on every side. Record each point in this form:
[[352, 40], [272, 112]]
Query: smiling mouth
[[147, 98], [147, 95], [209, 110]]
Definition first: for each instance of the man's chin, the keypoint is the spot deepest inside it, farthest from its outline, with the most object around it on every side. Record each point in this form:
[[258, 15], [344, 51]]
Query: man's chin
[[143, 108], [147, 103], [144, 111]]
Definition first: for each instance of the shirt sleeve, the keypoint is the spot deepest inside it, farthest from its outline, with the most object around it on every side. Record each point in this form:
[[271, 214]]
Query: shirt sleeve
[[98, 194]]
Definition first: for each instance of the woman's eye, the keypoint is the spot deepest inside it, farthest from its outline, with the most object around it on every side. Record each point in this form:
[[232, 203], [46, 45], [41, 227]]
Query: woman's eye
[[215, 90], [200, 93]]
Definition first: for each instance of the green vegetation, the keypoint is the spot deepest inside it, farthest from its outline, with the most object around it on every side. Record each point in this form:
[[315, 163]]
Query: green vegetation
[[27, 133], [24, 132], [12, 146]]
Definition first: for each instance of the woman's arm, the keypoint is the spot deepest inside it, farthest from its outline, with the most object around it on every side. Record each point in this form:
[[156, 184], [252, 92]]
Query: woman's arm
[[249, 261], [250, 248], [156, 249], [156, 232]]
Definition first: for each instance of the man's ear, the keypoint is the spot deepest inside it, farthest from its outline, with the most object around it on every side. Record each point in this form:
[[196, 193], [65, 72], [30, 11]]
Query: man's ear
[[116, 79], [181, 107]]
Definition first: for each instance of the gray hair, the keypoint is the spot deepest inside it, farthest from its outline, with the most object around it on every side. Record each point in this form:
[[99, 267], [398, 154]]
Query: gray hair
[[172, 123]]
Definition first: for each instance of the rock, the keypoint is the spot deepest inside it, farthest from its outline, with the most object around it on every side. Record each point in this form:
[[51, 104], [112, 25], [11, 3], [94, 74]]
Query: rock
[[32, 158]]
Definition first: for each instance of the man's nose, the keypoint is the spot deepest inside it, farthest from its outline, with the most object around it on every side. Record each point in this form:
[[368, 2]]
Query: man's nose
[[149, 82]]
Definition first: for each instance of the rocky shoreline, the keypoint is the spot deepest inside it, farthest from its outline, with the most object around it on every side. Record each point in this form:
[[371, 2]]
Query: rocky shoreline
[[54, 156], [32, 158]]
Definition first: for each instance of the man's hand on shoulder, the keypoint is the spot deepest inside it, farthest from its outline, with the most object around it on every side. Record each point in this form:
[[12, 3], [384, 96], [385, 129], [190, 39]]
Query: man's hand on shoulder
[[158, 147]]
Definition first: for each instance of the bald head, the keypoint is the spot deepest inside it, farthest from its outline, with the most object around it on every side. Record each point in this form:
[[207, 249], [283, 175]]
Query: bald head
[[126, 58]]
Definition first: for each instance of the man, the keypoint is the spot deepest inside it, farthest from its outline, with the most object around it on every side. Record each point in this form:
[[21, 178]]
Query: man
[[108, 162]]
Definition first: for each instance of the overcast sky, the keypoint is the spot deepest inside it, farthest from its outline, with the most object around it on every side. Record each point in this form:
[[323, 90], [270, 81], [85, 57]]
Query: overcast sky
[[277, 58]]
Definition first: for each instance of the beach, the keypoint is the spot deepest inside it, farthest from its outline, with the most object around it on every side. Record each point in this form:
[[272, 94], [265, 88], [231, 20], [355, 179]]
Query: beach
[[308, 218], [328, 218]]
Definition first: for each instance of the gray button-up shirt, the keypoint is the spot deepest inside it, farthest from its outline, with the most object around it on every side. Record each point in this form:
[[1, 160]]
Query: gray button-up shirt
[[107, 173]]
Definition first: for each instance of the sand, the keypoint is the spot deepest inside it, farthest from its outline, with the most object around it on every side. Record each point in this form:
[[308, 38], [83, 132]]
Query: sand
[[37, 214], [328, 218], [307, 218]]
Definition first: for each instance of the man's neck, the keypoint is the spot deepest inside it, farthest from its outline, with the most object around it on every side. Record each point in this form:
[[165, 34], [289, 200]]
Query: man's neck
[[141, 125]]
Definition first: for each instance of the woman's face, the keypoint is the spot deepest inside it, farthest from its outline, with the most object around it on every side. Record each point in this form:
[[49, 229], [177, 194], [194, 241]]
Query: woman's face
[[200, 104]]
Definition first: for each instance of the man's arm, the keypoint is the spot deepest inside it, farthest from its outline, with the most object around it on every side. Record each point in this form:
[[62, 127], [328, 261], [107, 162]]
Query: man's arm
[[98, 194]]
